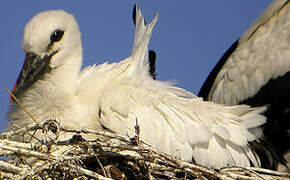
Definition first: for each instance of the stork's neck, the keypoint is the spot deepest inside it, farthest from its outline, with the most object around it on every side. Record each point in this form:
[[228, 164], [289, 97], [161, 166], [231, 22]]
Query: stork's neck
[[65, 77]]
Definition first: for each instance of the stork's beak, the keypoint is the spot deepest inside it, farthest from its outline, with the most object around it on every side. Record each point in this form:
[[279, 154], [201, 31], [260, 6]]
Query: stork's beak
[[33, 69]]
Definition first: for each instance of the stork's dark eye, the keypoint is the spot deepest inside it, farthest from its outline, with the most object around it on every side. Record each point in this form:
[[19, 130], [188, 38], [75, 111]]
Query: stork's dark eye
[[56, 36]]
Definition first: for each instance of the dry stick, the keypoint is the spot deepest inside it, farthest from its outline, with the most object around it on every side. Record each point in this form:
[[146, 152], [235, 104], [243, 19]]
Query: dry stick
[[4, 166], [11, 133], [97, 132], [257, 171], [21, 105], [88, 172], [32, 170], [6, 153], [4, 175], [102, 167], [228, 170], [268, 171], [16, 144], [247, 176], [24, 130], [25, 110], [28, 153]]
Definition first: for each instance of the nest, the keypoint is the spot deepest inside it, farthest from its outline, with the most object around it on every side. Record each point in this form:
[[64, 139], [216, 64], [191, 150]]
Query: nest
[[109, 157]]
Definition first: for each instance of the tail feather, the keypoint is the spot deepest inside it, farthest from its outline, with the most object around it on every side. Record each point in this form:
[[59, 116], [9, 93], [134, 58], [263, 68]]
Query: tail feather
[[152, 54], [140, 47]]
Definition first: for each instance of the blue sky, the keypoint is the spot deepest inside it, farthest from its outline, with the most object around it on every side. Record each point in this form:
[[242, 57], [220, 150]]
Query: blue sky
[[189, 37]]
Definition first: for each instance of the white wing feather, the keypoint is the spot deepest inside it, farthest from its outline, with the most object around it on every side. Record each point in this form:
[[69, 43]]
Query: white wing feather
[[263, 53]]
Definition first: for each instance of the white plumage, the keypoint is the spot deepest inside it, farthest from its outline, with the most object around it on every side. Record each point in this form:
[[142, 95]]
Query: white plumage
[[113, 96]]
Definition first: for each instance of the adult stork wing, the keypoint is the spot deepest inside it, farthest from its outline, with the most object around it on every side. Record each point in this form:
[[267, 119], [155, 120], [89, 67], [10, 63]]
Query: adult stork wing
[[256, 71]]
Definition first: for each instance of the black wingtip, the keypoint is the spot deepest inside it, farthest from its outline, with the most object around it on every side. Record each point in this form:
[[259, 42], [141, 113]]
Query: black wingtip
[[134, 14], [152, 63], [267, 154]]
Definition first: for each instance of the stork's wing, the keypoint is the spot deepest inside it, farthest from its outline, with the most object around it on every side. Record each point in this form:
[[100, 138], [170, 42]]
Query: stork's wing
[[256, 71], [262, 54]]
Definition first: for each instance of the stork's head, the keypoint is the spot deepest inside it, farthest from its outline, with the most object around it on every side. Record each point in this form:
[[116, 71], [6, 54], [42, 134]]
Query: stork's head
[[49, 39]]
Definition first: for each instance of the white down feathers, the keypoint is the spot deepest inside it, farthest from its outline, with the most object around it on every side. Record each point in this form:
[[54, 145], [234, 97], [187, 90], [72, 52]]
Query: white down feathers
[[171, 119]]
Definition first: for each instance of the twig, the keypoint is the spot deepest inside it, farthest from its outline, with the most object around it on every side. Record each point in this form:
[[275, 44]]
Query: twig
[[16, 144], [90, 173], [96, 132], [21, 105], [99, 162], [12, 133], [24, 131], [4, 166], [268, 171], [27, 153]]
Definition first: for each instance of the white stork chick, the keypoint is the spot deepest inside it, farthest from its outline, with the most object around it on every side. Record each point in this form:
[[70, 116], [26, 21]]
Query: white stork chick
[[256, 71], [113, 96]]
